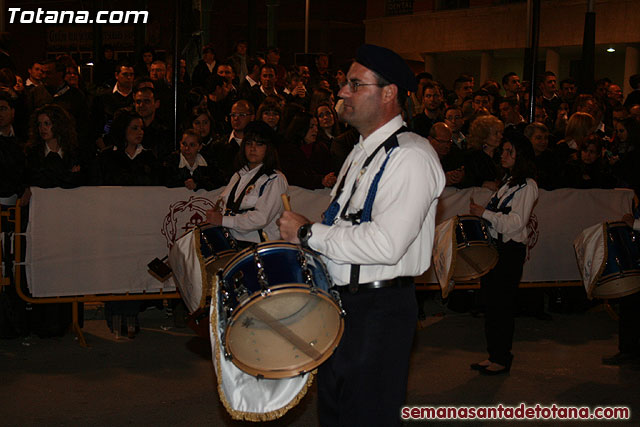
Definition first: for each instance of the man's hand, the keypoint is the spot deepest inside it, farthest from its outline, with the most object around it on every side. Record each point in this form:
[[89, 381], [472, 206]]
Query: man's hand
[[289, 224]]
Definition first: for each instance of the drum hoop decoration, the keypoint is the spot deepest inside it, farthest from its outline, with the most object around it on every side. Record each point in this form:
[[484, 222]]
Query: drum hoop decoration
[[242, 415]]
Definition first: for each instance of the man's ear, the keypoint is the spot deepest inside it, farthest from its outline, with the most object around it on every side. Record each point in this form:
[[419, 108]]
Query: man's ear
[[389, 93]]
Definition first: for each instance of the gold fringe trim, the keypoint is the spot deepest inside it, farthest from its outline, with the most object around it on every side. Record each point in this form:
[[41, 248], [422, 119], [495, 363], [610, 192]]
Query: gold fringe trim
[[240, 415]]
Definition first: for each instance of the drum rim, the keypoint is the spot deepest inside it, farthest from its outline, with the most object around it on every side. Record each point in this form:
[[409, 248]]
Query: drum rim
[[288, 373], [267, 245]]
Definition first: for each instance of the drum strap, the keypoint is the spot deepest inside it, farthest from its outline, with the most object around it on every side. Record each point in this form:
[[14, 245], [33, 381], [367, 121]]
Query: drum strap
[[494, 204], [364, 215], [233, 206]]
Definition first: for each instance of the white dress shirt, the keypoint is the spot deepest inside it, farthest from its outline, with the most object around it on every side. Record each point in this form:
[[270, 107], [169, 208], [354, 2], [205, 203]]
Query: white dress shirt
[[267, 207], [513, 225], [399, 238]]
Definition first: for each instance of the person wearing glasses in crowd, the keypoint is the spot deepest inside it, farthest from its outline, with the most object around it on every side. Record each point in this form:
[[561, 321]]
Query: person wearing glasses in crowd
[[225, 149], [251, 202], [376, 235]]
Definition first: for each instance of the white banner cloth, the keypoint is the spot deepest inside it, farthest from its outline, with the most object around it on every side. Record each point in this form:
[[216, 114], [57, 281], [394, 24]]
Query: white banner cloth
[[94, 240]]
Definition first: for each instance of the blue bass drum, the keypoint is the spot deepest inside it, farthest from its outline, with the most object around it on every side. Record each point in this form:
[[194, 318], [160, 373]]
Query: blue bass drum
[[621, 274], [476, 253], [279, 314]]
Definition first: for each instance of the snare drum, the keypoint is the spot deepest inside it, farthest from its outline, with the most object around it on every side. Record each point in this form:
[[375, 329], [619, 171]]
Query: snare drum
[[217, 245], [200, 250], [280, 318], [476, 252], [621, 274]]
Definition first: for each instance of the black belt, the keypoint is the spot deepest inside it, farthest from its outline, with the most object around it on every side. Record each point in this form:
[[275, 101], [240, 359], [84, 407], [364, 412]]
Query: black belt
[[398, 282]]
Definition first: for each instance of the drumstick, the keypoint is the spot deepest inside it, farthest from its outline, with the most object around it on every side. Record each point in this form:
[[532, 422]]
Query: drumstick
[[285, 332], [285, 202], [469, 261]]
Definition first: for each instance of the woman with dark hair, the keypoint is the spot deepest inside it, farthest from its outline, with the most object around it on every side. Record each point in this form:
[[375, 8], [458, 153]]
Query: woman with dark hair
[[52, 155], [128, 163], [250, 204], [305, 160], [270, 112], [508, 214], [51, 161]]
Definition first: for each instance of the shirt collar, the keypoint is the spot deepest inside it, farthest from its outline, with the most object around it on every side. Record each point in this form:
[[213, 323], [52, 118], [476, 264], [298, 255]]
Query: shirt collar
[[233, 137], [116, 88], [47, 150], [10, 133], [200, 161], [138, 151], [251, 81], [381, 134]]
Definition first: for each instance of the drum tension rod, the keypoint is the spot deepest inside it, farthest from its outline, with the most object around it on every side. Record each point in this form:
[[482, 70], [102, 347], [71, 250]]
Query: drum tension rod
[[262, 276]]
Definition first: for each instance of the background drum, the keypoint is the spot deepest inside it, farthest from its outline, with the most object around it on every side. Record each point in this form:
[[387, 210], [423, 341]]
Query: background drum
[[621, 274], [202, 249], [278, 315], [476, 253]]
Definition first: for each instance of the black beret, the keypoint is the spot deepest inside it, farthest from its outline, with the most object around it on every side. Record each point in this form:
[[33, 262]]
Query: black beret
[[388, 64]]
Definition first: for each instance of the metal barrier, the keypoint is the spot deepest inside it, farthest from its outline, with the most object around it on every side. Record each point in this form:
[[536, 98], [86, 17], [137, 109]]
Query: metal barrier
[[13, 215]]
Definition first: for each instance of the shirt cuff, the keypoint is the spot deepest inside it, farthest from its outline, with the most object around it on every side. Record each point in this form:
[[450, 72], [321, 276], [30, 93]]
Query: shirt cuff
[[228, 221], [318, 237], [488, 215]]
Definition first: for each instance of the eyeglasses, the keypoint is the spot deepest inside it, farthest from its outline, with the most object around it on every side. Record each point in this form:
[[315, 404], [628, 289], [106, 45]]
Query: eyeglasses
[[239, 115], [354, 85], [325, 114]]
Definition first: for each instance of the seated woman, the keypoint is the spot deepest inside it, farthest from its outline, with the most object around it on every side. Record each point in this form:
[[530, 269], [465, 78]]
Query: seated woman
[[52, 155], [51, 161], [251, 203], [508, 212], [187, 168], [306, 161], [328, 129], [128, 163]]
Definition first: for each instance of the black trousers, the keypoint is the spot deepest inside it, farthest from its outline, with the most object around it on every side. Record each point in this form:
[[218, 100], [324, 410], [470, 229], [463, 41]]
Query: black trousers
[[629, 324], [499, 288], [364, 383]]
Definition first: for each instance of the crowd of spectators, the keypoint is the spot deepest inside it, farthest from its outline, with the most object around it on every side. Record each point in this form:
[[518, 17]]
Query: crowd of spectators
[[57, 129]]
